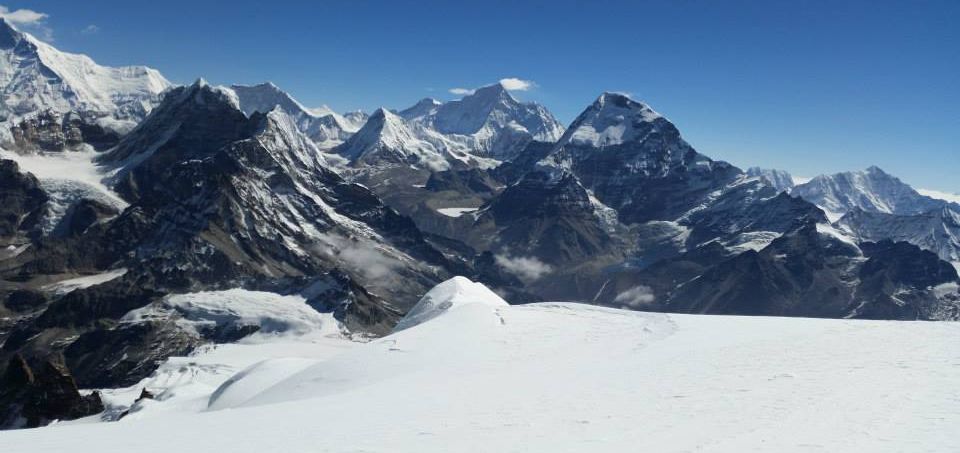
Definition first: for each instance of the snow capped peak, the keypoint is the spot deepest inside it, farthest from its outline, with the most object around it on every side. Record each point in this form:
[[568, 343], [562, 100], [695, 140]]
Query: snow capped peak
[[388, 128], [324, 126], [496, 90], [613, 119], [871, 190], [384, 118], [449, 295], [36, 77], [490, 121], [264, 97]]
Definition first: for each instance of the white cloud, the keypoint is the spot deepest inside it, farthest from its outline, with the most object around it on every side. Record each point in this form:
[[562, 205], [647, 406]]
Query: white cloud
[[22, 16], [510, 83], [28, 20], [515, 84], [90, 30], [527, 269], [635, 297]]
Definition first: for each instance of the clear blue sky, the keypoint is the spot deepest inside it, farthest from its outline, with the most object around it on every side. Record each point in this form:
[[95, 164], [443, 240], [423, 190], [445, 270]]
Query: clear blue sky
[[808, 86]]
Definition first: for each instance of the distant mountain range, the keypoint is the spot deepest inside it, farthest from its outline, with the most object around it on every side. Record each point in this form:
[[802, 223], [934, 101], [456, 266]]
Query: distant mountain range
[[120, 191]]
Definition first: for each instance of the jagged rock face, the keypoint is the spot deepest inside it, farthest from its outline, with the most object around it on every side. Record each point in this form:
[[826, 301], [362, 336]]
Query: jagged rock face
[[903, 263], [35, 397], [124, 354], [218, 200], [871, 190], [549, 217], [471, 181], [937, 230], [748, 207], [21, 203], [36, 79], [236, 198], [802, 273], [805, 272], [635, 161], [351, 304], [84, 214], [49, 131], [189, 125], [896, 282]]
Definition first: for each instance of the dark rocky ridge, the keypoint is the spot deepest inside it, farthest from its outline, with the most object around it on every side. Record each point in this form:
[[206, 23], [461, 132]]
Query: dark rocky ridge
[[32, 397]]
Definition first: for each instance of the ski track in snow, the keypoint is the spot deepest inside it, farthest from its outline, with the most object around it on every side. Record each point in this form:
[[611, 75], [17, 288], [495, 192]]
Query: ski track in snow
[[568, 377]]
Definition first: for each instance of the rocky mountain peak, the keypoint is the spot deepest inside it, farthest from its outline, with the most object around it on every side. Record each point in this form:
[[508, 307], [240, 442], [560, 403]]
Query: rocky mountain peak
[[10, 37]]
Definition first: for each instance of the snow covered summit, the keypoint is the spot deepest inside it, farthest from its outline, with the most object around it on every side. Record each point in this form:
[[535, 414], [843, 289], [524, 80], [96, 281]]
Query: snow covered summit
[[871, 190], [613, 119], [448, 295], [490, 122], [324, 126], [35, 77]]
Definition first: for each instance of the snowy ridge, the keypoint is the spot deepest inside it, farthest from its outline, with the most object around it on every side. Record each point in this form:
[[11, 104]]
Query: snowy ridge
[[593, 378], [871, 190], [324, 126]]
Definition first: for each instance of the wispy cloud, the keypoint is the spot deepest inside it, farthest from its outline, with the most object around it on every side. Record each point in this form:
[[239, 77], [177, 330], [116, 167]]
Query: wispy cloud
[[515, 84], [510, 83], [90, 30], [22, 16], [635, 297], [526, 268], [30, 20]]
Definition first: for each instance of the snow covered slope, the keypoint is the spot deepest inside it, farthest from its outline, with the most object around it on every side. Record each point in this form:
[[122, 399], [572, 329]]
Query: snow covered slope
[[557, 377], [387, 140], [36, 77], [871, 190]]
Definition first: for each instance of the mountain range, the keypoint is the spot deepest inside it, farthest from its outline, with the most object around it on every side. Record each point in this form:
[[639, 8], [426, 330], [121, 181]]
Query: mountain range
[[123, 196]]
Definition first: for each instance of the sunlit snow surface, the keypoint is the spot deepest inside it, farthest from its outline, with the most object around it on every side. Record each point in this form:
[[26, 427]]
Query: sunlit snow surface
[[482, 376]]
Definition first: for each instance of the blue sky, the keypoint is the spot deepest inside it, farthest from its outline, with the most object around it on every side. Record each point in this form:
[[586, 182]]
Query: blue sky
[[808, 86]]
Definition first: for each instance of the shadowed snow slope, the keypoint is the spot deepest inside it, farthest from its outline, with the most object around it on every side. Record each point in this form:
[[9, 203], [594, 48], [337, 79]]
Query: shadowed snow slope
[[484, 376]]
